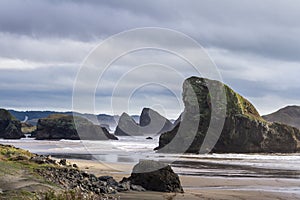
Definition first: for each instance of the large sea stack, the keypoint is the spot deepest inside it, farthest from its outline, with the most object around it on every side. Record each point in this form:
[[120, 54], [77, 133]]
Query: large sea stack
[[10, 127], [61, 126], [244, 131]]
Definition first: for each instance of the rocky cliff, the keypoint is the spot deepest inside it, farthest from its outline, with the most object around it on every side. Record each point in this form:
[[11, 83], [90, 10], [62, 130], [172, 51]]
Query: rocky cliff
[[244, 130], [10, 127], [288, 115], [60, 126]]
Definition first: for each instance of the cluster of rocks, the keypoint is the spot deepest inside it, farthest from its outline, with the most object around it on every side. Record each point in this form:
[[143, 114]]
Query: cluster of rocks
[[10, 127], [150, 123], [59, 126], [244, 131], [42, 159], [71, 178], [161, 179]]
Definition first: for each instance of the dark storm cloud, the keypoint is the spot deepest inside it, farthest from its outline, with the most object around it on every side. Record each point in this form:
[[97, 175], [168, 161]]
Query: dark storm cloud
[[269, 28], [82, 20]]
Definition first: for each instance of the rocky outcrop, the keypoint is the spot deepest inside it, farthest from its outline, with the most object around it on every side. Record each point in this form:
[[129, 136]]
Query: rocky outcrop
[[10, 127], [71, 178], [288, 115], [244, 130], [154, 176], [152, 123], [127, 126], [60, 126], [58, 173]]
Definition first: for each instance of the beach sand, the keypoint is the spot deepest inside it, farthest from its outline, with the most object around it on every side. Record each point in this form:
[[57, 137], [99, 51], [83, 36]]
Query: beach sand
[[202, 187]]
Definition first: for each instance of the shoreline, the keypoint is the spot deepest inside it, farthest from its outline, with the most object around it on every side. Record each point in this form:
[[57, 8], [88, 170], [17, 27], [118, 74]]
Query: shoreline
[[202, 187], [205, 180]]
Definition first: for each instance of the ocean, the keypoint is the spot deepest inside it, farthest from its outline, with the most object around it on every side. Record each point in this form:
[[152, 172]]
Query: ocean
[[131, 149]]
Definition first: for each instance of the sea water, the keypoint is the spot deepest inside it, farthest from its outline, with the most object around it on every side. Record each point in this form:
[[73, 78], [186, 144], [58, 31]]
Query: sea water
[[132, 149]]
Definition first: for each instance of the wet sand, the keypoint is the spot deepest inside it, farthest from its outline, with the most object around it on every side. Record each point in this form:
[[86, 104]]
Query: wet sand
[[197, 187]]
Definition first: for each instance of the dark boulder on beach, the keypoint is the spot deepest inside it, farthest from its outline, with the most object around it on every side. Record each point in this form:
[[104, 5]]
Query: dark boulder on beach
[[61, 126], [10, 127], [152, 123], [154, 176], [201, 129], [127, 126]]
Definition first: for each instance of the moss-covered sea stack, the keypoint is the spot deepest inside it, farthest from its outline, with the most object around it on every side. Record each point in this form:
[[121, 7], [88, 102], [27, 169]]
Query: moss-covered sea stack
[[61, 126], [10, 127], [244, 131]]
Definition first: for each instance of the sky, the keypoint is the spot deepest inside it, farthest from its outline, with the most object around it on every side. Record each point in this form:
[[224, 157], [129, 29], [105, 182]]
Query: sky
[[43, 43]]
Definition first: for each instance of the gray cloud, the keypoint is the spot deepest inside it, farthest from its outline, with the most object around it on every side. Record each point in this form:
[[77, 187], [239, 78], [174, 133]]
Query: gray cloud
[[39, 88], [266, 27], [255, 44]]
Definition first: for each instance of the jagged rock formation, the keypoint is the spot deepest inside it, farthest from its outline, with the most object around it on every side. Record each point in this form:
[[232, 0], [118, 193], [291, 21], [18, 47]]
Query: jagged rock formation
[[127, 126], [10, 127], [244, 131], [60, 126], [154, 176], [289, 115], [152, 123]]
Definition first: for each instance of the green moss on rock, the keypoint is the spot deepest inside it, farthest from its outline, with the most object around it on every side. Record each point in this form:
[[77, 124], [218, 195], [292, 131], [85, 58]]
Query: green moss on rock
[[61, 126], [5, 115], [9, 152], [244, 130]]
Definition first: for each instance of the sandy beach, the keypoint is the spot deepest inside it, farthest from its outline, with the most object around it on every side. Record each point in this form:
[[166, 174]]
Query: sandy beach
[[202, 187]]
